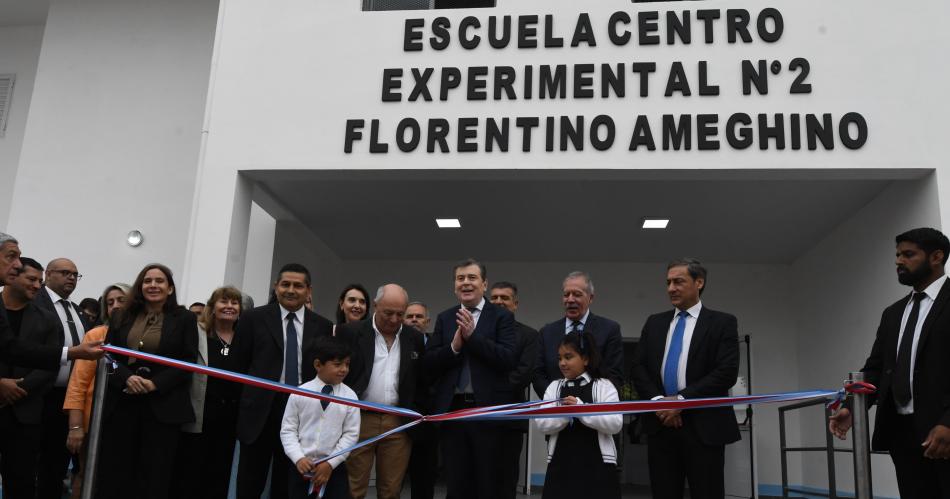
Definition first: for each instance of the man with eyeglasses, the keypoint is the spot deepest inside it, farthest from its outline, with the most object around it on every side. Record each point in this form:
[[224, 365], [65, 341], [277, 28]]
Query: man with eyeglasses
[[61, 279]]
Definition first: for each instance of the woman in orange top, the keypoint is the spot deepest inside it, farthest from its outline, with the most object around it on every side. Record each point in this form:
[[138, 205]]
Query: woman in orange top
[[82, 381]]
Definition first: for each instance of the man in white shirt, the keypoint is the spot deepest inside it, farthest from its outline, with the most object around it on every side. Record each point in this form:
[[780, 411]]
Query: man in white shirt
[[386, 369], [684, 353], [62, 276]]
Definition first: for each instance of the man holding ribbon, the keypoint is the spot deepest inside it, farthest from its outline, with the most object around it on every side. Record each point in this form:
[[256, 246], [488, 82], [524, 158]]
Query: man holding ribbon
[[684, 353], [909, 366]]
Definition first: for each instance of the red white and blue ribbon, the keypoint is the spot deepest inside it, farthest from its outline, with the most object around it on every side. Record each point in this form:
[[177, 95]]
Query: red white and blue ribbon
[[523, 410]]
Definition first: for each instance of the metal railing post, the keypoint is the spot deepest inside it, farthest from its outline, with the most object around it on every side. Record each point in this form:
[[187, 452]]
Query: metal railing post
[[95, 424], [860, 435]]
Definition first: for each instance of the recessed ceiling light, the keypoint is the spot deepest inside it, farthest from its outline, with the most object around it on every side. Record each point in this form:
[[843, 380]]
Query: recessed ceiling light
[[655, 223], [448, 223]]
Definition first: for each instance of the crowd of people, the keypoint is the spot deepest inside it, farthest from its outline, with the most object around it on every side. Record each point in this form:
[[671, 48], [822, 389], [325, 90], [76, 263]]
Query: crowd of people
[[168, 433]]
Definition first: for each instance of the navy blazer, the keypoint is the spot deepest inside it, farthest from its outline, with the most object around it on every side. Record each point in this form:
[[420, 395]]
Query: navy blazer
[[39, 327], [931, 390], [171, 401], [606, 334], [489, 350], [712, 367], [262, 355]]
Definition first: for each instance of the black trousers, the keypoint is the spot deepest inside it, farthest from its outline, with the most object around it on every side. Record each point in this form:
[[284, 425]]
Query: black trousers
[[512, 440], [338, 487], [265, 452], [424, 462], [137, 452], [203, 465], [19, 452], [918, 477], [470, 453], [54, 458], [677, 456]]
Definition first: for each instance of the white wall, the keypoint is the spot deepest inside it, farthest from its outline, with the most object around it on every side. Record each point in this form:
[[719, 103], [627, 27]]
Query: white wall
[[841, 287], [113, 133], [19, 53]]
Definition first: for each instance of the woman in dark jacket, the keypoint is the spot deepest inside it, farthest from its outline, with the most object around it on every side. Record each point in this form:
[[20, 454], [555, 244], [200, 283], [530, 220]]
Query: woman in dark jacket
[[146, 403]]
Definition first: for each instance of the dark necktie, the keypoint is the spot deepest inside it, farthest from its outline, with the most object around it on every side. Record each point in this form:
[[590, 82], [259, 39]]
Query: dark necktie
[[577, 327], [902, 389], [290, 353], [327, 390], [73, 333], [465, 375]]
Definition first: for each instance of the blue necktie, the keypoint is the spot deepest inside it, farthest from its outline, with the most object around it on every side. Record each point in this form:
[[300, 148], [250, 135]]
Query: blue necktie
[[465, 375], [327, 389], [671, 372], [290, 353]]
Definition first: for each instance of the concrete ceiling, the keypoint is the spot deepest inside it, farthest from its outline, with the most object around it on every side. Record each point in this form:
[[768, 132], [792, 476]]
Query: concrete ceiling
[[23, 12], [568, 216]]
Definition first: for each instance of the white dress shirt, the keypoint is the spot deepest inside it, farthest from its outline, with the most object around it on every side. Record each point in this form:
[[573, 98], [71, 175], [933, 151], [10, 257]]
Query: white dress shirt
[[298, 325], [687, 338], [383, 385], [307, 430], [925, 304], [606, 425], [62, 377], [569, 322]]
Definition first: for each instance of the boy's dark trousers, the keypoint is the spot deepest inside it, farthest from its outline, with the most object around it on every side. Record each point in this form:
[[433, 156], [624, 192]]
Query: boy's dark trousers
[[337, 488]]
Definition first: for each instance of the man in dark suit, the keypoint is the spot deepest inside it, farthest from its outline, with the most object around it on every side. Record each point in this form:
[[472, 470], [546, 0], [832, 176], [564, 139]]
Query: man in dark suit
[[909, 366], [505, 294], [22, 390], [424, 461], [277, 343], [21, 353], [386, 369], [577, 296], [62, 276], [471, 353], [684, 353]]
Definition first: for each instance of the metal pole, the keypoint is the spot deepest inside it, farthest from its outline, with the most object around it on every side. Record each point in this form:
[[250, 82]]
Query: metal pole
[[862, 454], [95, 424]]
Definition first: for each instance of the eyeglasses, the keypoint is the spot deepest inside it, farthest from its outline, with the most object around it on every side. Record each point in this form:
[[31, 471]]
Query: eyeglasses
[[67, 274]]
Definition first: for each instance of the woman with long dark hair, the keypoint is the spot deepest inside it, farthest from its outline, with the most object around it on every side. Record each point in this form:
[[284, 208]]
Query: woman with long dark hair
[[146, 403], [353, 304]]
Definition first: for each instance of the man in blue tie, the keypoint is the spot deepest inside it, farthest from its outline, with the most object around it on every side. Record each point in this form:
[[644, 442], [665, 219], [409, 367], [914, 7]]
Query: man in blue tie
[[684, 353], [275, 342]]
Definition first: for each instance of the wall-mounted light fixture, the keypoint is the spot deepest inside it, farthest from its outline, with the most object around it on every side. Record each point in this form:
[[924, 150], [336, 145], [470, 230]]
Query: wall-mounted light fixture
[[135, 238]]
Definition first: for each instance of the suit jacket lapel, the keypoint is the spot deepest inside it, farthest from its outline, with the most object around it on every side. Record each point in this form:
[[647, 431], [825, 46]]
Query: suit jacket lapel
[[699, 334], [935, 310], [659, 347], [487, 315], [167, 324], [367, 342], [276, 325], [405, 356]]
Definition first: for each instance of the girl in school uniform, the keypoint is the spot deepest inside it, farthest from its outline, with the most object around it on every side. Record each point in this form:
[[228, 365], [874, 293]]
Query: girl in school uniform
[[582, 458]]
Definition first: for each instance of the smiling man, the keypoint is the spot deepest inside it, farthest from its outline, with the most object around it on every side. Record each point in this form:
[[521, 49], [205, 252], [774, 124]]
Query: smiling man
[[278, 344], [470, 354], [577, 295], [908, 365], [684, 353]]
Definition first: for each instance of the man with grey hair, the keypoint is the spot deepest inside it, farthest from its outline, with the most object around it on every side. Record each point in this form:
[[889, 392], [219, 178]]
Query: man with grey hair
[[386, 368], [577, 297], [12, 350], [684, 353]]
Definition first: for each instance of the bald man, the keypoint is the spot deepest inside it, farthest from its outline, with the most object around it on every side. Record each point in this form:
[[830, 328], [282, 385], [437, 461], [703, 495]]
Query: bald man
[[60, 281], [386, 368]]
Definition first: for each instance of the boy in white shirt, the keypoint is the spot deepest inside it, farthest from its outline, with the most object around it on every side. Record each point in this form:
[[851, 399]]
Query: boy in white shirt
[[313, 429]]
